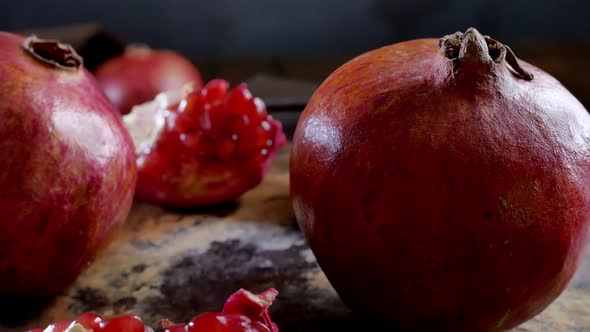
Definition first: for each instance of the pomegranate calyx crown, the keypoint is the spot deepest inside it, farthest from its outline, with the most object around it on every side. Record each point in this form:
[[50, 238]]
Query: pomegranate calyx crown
[[53, 53], [472, 46]]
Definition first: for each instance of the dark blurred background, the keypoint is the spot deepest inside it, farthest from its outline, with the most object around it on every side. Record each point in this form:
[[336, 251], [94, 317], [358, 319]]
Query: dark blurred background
[[302, 27], [284, 49]]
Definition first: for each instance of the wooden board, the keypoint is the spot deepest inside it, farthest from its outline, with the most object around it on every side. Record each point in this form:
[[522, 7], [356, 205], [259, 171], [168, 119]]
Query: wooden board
[[176, 264]]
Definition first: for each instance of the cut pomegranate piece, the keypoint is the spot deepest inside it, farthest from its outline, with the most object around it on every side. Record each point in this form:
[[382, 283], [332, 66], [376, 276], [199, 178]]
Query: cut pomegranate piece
[[243, 312], [92, 322], [202, 147]]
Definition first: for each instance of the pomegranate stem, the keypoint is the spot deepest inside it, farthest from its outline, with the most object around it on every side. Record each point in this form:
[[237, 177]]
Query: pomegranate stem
[[53, 53], [472, 46]]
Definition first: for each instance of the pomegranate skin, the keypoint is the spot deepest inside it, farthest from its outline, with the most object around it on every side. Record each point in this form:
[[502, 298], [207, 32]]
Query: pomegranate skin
[[439, 194], [67, 171], [140, 73]]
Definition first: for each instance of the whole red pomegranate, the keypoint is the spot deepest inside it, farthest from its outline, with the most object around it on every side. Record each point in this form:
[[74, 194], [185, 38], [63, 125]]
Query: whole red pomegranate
[[67, 167], [140, 73], [444, 185]]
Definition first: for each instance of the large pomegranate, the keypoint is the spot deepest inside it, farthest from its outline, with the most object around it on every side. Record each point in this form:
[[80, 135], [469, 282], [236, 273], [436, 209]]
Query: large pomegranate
[[67, 166], [444, 185], [140, 73]]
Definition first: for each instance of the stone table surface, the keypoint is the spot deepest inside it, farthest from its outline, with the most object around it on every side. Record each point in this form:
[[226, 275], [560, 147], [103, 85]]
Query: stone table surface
[[175, 264]]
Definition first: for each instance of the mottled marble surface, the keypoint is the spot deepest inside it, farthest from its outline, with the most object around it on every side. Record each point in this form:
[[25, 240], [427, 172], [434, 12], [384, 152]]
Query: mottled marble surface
[[175, 264]]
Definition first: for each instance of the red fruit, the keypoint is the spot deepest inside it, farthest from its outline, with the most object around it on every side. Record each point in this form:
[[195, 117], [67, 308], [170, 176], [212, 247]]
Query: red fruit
[[89, 320], [202, 147], [444, 188], [243, 312], [67, 168], [127, 323], [141, 73], [94, 323], [60, 326]]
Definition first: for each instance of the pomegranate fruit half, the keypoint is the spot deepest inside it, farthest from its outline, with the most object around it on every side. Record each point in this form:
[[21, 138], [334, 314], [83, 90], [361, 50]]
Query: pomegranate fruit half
[[140, 73], [67, 167], [443, 184], [198, 147]]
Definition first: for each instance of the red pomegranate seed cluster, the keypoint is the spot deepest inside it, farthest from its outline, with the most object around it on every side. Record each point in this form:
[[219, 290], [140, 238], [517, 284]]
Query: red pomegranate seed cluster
[[243, 312], [212, 145], [218, 125], [95, 323]]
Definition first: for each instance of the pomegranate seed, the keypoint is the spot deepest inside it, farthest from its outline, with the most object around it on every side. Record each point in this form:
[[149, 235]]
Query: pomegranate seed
[[89, 320], [255, 139], [238, 99], [190, 140], [207, 147], [60, 326], [225, 148], [190, 111], [215, 91], [210, 322], [265, 125], [256, 110], [204, 120], [217, 116], [127, 323]]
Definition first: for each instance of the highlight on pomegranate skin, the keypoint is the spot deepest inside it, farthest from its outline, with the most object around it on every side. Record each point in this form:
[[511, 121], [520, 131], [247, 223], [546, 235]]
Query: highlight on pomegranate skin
[[67, 167], [243, 312], [198, 147]]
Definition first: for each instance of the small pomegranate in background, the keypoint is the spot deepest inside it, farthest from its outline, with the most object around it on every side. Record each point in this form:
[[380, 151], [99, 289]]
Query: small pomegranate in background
[[140, 73], [198, 147], [92, 322], [67, 167], [243, 312], [444, 185]]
